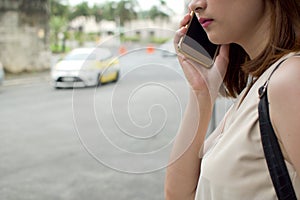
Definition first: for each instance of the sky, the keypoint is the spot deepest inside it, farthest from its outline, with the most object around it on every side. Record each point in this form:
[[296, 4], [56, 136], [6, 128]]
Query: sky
[[176, 5]]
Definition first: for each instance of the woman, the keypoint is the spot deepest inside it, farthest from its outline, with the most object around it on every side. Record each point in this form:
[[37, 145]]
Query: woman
[[255, 36]]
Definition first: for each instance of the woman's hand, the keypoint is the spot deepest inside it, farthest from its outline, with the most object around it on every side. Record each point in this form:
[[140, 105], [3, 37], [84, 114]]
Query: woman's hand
[[203, 81]]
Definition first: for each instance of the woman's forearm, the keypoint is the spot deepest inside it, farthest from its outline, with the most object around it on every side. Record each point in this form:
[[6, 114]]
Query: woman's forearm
[[184, 167]]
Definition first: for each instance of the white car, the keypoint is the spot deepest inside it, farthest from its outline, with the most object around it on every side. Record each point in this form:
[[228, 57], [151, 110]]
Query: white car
[[86, 67]]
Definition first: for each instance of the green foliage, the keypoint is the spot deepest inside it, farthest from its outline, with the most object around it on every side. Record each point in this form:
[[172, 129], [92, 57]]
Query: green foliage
[[120, 11], [158, 40], [125, 11], [58, 9], [137, 38], [81, 9], [57, 25], [162, 2], [80, 37], [97, 12], [130, 38], [59, 49], [108, 10], [154, 13], [92, 37]]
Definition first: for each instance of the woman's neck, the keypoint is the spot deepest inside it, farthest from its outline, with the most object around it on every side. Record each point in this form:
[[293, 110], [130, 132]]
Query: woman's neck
[[259, 38]]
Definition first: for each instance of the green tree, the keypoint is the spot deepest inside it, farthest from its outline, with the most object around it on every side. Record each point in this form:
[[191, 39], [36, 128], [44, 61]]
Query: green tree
[[81, 9], [58, 25], [58, 9], [154, 13], [162, 2], [119, 11], [96, 11], [125, 11], [108, 10]]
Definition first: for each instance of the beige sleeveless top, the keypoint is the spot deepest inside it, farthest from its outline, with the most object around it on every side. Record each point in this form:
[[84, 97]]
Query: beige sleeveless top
[[233, 165]]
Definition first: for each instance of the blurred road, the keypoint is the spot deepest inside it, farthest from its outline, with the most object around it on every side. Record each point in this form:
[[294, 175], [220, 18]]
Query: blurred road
[[110, 142]]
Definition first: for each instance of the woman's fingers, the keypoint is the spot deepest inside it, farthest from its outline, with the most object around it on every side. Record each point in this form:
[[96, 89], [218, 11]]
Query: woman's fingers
[[200, 78], [185, 20], [204, 79], [222, 60], [178, 35], [182, 30]]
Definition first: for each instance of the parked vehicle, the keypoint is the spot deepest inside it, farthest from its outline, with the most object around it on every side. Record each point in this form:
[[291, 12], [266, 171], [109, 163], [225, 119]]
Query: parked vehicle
[[167, 49], [86, 67]]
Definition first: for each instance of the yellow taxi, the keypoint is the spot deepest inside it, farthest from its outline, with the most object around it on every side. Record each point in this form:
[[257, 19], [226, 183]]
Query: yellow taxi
[[84, 67]]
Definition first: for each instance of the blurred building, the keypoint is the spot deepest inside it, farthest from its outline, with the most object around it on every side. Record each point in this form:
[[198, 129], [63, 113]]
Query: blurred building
[[141, 28], [147, 28], [24, 30]]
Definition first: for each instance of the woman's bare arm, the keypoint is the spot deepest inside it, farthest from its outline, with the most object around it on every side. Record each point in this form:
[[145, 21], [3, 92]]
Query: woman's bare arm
[[184, 168], [183, 171]]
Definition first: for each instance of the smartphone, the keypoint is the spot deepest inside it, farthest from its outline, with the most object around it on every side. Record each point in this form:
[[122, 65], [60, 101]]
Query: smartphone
[[196, 45]]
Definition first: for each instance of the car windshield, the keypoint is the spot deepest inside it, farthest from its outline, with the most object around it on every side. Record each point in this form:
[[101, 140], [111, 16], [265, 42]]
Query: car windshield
[[89, 54], [82, 56]]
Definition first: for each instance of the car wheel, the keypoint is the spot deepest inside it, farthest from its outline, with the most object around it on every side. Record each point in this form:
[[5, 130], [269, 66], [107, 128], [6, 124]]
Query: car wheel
[[99, 80]]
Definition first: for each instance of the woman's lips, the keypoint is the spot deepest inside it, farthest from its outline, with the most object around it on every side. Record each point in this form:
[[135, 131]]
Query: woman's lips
[[205, 22]]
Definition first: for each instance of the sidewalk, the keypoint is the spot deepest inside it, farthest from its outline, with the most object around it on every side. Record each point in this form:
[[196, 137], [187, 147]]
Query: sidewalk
[[26, 78]]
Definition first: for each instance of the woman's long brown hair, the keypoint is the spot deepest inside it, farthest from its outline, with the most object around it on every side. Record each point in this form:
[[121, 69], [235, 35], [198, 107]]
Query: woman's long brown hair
[[284, 38]]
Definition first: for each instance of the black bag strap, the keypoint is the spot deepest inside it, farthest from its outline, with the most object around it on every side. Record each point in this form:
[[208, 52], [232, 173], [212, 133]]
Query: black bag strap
[[275, 160]]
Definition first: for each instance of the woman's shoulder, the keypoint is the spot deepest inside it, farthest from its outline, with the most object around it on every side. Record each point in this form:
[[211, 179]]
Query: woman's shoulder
[[286, 79], [284, 85], [284, 95]]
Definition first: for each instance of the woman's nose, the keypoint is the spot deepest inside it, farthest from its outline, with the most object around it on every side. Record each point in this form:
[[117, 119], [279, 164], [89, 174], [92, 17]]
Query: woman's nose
[[197, 5]]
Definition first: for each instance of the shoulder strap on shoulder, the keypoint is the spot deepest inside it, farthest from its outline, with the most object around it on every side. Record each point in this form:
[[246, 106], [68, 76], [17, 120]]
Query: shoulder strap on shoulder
[[277, 168], [263, 89]]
